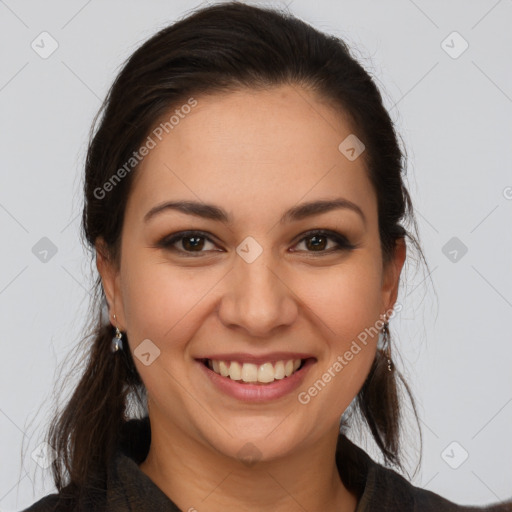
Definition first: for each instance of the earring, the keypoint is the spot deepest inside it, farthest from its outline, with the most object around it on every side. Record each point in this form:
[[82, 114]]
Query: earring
[[117, 341], [386, 343]]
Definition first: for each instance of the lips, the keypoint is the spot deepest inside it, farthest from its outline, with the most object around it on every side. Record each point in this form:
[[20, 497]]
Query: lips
[[264, 368], [253, 390]]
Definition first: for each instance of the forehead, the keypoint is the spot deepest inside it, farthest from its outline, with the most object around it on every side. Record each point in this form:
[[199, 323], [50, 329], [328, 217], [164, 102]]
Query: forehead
[[261, 149]]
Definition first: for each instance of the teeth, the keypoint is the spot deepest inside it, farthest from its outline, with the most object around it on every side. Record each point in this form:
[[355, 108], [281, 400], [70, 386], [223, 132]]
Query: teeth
[[224, 369], [266, 373], [279, 370], [249, 372], [235, 371]]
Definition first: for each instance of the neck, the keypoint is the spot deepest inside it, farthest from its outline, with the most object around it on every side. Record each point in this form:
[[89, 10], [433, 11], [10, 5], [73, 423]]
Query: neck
[[196, 477]]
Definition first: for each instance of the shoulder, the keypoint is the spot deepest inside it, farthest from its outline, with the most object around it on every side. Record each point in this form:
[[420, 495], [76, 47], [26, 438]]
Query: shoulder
[[396, 490], [47, 504], [382, 488], [57, 502]]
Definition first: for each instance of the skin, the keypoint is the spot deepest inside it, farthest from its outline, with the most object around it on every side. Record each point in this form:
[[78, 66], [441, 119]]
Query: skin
[[255, 154]]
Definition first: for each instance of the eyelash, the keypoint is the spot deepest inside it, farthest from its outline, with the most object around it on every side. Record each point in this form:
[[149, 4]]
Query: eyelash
[[342, 243]]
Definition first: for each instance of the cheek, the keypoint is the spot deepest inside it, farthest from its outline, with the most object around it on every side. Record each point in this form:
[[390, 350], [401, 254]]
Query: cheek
[[346, 304], [161, 301], [162, 304], [346, 298]]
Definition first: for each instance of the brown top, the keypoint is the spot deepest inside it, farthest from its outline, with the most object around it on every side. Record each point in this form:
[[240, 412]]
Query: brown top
[[128, 489]]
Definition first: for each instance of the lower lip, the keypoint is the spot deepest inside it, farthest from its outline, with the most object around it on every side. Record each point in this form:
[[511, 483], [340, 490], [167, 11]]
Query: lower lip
[[257, 392]]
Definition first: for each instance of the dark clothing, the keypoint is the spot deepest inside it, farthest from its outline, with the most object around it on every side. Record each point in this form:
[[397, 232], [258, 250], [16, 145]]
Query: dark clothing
[[129, 489]]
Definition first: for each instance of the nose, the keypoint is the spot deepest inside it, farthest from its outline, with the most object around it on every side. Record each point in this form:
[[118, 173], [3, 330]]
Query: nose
[[257, 299]]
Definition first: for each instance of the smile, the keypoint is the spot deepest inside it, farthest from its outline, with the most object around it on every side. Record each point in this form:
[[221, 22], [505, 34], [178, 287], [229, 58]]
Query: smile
[[256, 381], [252, 373]]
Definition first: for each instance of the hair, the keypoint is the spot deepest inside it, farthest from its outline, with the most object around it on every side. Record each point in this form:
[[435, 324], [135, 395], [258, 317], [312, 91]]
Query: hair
[[221, 48]]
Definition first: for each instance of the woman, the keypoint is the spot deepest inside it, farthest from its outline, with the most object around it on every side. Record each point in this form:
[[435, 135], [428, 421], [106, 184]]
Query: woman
[[244, 198]]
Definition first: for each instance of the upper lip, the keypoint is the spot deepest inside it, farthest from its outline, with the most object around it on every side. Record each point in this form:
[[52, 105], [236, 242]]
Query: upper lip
[[244, 357]]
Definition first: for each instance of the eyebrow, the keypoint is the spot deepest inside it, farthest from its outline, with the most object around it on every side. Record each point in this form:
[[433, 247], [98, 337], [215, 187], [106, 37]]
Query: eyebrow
[[212, 212]]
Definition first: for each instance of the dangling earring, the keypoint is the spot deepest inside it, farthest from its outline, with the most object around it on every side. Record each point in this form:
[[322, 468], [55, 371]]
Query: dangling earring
[[386, 344], [117, 341]]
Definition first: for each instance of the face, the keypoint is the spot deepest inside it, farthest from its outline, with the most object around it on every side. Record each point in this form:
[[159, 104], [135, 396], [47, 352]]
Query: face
[[259, 286]]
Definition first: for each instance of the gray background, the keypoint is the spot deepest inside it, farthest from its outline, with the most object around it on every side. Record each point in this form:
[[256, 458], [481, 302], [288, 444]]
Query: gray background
[[453, 332]]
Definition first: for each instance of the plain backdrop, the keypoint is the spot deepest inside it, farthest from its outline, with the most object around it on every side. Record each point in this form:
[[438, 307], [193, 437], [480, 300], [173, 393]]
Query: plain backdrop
[[445, 75]]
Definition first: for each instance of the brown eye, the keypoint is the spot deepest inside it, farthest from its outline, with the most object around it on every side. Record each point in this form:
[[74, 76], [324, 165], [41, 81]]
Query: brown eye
[[191, 242], [317, 241]]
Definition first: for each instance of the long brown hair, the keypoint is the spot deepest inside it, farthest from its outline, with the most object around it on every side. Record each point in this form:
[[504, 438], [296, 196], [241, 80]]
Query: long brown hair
[[219, 48]]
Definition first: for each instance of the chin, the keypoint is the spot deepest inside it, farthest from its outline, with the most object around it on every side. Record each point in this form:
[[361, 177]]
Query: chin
[[251, 445]]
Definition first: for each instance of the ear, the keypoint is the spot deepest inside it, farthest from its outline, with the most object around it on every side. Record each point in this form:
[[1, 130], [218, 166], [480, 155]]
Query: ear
[[110, 278], [391, 275]]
